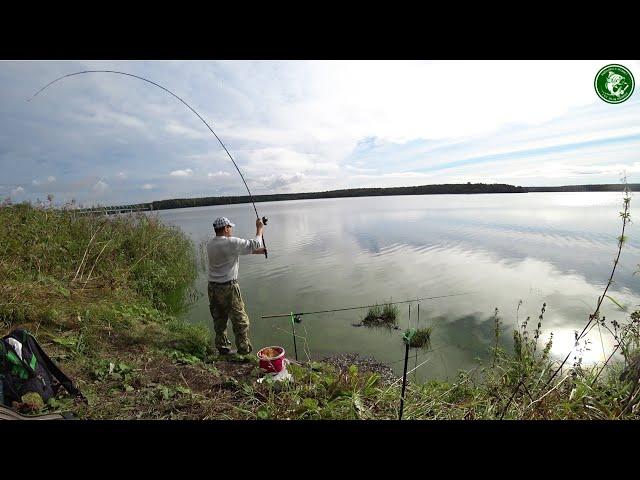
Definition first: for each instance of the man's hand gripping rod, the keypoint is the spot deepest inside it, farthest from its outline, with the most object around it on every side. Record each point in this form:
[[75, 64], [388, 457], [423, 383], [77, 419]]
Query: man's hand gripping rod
[[264, 221]]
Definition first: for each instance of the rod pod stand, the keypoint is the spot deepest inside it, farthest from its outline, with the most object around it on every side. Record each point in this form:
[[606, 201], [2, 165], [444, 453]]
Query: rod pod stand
[[415, 371], [408, 335], [293, 334]]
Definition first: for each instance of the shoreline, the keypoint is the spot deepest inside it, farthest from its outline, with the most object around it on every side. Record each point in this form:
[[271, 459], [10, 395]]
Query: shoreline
[[177, 203], [89, 288]]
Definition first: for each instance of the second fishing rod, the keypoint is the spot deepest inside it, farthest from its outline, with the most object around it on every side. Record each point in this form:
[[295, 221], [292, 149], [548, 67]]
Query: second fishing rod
[[299, 314]]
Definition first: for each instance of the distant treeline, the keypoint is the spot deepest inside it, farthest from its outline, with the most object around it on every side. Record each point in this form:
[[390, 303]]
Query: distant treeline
[[455, 188], [609, 187], [452, 188]]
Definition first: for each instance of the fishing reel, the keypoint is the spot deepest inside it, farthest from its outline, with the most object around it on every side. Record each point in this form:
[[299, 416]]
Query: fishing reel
[[264, 220]]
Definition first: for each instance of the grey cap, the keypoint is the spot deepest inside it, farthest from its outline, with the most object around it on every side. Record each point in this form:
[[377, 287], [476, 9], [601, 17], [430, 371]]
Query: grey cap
[[222, 222]]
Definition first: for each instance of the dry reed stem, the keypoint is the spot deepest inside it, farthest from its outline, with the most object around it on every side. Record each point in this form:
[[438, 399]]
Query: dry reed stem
[[555, 387], [95, 263], [85, 252]]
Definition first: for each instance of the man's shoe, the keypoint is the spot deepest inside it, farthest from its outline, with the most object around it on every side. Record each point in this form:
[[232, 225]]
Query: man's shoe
[[226, 351]]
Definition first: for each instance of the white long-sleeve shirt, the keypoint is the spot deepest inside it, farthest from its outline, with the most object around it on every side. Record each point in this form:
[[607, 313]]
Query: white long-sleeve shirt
[[224, 252]]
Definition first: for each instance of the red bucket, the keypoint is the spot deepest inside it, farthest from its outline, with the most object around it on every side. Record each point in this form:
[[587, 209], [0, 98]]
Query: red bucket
[[271, 363]]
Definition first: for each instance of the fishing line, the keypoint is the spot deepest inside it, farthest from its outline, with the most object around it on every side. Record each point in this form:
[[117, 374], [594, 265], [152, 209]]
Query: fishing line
[[365, 306], [185, 103]]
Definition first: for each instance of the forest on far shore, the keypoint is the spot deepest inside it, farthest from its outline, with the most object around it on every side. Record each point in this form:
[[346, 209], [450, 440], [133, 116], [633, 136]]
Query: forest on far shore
[[444, 189]]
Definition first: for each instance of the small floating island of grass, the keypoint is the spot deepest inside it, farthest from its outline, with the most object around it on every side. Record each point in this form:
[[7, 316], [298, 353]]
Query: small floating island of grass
[[385, 316]]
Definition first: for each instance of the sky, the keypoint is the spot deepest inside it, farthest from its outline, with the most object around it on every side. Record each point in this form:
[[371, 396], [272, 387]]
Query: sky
[[302, 126]]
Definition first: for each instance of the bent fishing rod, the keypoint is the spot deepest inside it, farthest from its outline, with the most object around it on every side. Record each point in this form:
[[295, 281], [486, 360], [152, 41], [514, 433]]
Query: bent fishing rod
[[364, 306], [264, 219]]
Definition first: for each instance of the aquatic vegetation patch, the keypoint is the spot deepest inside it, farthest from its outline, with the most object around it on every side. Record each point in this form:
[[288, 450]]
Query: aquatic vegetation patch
[[421, 338], [385, 316]]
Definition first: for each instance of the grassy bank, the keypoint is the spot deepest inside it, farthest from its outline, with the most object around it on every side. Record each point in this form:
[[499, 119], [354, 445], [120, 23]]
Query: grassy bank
[[100, 294]]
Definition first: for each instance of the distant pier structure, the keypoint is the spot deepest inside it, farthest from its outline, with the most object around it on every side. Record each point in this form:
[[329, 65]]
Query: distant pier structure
[[115, 209]]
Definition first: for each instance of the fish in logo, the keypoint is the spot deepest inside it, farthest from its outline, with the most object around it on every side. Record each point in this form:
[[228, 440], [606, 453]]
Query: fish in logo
[[616, 84]]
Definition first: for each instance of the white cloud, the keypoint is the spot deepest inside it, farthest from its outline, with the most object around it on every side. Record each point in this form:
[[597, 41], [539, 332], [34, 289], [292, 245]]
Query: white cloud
[[277, 181], [553, 170], [17, 191], [100, 187], [285, 161], [103, 116], [182, 173], [218, 174], [176, 128], [148, 186], [50, 179], [453, 99], [283, 158], [353, 168]]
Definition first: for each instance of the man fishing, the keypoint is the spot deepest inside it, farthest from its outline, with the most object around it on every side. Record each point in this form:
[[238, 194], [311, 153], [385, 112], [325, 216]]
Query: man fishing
[[225, 300]]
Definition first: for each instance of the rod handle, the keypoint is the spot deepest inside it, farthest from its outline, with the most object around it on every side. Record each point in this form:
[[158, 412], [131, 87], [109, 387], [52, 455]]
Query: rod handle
[[264, 221]]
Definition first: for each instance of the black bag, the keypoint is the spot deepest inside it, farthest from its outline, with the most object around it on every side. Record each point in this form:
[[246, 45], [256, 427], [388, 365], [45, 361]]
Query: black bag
[[25, 367]]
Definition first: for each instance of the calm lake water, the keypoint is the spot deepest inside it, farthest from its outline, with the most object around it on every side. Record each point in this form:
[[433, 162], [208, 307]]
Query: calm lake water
[[553, 248]]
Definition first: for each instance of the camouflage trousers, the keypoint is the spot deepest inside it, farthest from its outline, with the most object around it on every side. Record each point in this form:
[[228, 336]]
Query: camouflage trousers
[[225, 302]]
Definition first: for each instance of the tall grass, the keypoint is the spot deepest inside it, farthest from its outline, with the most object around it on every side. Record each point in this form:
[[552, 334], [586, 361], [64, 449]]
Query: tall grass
[[60, 253]]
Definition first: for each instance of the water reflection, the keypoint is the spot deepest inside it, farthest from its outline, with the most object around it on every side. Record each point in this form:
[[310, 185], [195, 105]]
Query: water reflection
[[333, 253]]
